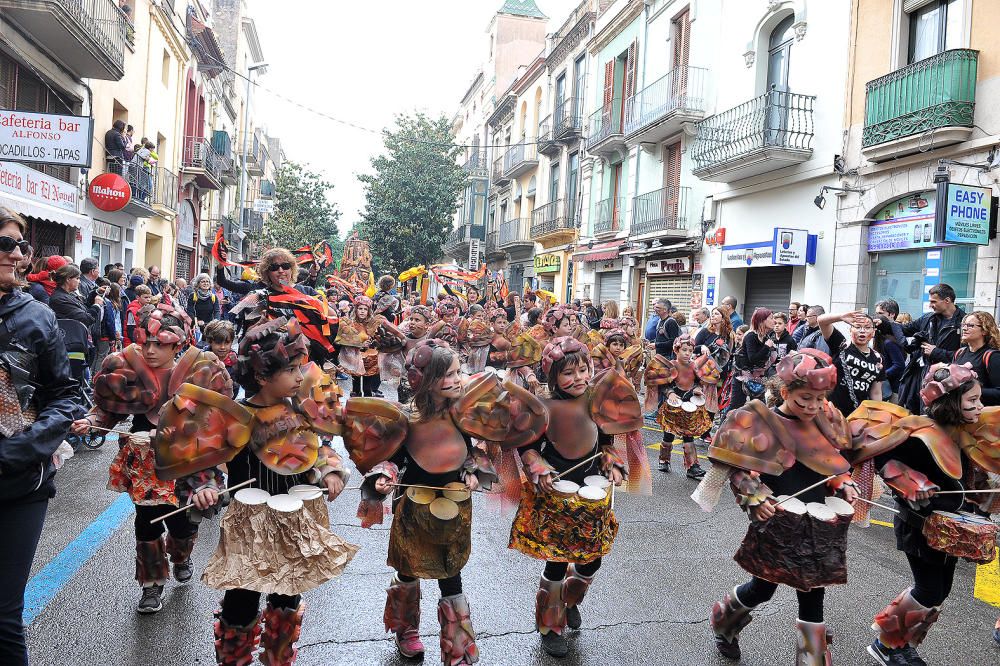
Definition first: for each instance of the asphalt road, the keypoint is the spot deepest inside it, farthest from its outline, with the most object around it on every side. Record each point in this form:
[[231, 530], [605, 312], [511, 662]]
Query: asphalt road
[[649, 604]]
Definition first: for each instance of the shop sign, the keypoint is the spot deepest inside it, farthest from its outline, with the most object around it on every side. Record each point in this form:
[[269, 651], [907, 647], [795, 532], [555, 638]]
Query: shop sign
[[46, 138], [107, 231], [25, 182], [748, 255], [263, 206], [710, 291], [673, 266], [185, 224], [109, 192], [790, 247], [967, 214], [548, 263], [904, 224], [474, 254]]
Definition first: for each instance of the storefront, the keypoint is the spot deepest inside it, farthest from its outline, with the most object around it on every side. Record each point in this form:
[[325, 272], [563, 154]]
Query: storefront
[[547, 268], [599, 272], [767, 270], [520, 273], [47, 204], [184, 259], [908, 255], [670, 279], [106, 243]]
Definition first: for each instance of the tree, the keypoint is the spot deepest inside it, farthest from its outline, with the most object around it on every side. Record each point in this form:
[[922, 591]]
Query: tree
[[413, 193], [303, 213]]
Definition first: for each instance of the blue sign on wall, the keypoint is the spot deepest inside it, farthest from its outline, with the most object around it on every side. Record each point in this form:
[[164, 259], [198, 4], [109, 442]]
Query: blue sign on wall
[[967, 215]]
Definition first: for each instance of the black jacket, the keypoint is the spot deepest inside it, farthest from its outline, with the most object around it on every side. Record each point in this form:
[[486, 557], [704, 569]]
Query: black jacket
[[28, 329], [946, 335], [69, 306]]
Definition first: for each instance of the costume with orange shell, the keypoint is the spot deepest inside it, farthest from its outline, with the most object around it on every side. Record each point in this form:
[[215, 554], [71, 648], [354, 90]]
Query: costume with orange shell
[[953, 447], [684, 413], [570, 523], [275, 538], [800, 447], [431, 533], [136, 382]]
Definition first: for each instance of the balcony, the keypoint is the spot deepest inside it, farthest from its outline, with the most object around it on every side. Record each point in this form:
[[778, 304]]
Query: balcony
[[477, 167], [457, 243], [255, 161], [659, 110], [253, 222], [920, 107], [202, 163], [567, 120], [551, 223], [492, 245], [608, 215], [604, 136], [267, 188], [87, 37], [223, 145], [515, 234], [520, 159], [546, 143], [660, 213], [154, 189], [770, 132], [500, 178]]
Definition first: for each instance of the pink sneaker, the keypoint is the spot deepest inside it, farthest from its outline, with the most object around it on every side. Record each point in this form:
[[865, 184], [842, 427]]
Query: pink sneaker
[[408, 642]]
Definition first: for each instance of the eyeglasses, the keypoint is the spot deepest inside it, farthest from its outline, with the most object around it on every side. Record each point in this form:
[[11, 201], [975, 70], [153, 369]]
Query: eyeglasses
[[287, 266], [7, 244], [966, 325]]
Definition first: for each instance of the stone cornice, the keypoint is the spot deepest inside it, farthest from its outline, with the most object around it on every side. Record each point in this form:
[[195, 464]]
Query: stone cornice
[[503, 112], [572, 40], [615, 26]]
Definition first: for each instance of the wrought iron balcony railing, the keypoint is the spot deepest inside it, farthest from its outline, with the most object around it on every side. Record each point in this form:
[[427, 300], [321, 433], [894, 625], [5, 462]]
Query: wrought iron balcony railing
[[605, 123], [776, 119], [515, 232], [607, 216], [546, 140], [663, 210], [499, 175], [551, 218], [680, 89], [492, 242], [477, 166], [253, 222], [567, 118], [520, 156], [939, 91], [199, 155], [151, 186]]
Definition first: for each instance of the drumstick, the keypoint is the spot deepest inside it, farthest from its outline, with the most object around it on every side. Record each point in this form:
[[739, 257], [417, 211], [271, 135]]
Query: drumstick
[[612, 496], [881, 506], [807, 489], [191, 506], [120, 432], [576, 466], [417, 485], [973, 492]]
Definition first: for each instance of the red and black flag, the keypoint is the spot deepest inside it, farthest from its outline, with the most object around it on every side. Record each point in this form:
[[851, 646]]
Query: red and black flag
[[304, 255], [323, 254], [312, 313], [220, 250]]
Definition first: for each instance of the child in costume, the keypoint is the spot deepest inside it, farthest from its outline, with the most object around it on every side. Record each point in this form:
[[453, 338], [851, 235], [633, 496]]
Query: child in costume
[[683, 412], [797, 444], [137, 381], [273, 436], [218, 339], [359, 354], [571, 534]]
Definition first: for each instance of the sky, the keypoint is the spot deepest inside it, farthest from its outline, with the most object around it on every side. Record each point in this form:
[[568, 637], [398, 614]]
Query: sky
[[364, 62]]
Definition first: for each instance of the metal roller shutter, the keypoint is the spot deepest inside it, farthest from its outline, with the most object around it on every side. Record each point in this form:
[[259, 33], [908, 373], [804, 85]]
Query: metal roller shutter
[[675, 289], [609, 286], [769, 288]]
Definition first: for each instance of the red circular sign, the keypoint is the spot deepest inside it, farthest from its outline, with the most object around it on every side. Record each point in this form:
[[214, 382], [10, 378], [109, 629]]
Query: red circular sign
[[110, 192]]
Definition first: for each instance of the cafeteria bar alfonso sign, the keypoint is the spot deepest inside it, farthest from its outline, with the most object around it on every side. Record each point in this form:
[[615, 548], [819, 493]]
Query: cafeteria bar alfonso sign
[[45, 138]]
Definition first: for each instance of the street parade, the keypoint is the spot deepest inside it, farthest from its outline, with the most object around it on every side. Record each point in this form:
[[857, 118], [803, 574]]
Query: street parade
[[579, 372]]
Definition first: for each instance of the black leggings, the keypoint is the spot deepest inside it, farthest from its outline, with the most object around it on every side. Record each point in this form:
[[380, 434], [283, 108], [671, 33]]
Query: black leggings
[[931, 580], [240, 607], [365, 386], [449, 586], [557, 570], [16, 554], [179, 526], [738, 397], [758, 590]]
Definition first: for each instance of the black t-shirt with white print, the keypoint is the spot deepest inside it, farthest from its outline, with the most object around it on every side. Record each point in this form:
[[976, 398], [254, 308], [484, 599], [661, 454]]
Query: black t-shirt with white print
[[862, 370]]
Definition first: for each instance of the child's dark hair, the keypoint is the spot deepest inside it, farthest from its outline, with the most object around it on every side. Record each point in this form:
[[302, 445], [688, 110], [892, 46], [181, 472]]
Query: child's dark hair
[[616, 337], [430, 372], [220, 330], [947, 410], [572, 359]]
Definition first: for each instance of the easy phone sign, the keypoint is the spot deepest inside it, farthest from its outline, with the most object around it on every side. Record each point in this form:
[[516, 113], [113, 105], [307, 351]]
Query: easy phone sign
[[967, 215]]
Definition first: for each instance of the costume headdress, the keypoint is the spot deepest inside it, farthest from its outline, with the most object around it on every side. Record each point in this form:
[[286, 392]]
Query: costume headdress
[[258, 356], [560, 347], [152, 326], [682, 340], [554, 317], [810, 365], [424, 312], [419, 358], [447, 307], [933, 389]]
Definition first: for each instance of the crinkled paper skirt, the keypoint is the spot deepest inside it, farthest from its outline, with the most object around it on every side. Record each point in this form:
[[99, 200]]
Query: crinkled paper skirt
[[562, 528], [275, 552], [423, 546], [684, 424]]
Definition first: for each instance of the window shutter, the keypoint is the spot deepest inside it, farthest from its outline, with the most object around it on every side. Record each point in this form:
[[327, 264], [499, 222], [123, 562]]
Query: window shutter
[[914, 5], [609, 86], [682, 51], [630, 73]]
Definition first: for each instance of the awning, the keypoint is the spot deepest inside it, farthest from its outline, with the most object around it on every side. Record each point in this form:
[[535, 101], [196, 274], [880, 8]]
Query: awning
[[43, 211], [600, 252], [687, 247]]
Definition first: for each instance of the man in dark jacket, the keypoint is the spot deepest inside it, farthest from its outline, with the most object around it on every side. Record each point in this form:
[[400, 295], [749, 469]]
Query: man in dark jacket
[[666, 330], [36, 375], [115, 147], [937, 335]]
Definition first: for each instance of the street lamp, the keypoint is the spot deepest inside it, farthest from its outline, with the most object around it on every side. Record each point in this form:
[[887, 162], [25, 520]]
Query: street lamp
[[260, 68]]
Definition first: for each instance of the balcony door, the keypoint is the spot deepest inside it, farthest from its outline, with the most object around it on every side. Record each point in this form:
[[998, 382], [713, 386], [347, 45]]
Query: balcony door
[[928, 33], [778, 58], [616, 184], [559, 120], [671, 184], [680, 57], [572, 184], [580, 82]]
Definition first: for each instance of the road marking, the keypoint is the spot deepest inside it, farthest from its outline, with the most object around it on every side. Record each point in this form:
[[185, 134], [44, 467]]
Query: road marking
[[46, 584], [880, 523]]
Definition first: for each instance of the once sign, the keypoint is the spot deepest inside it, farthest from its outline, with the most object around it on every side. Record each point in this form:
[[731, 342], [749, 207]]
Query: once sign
[[45, 138]]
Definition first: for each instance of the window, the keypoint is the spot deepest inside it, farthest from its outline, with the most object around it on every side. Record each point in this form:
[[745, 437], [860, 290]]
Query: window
[[572, 185], [928, 30], [165, 68], [554, 182]]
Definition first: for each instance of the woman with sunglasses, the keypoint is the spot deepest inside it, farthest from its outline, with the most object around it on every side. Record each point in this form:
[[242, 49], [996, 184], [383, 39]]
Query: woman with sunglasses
[[980, 342], [37, 402]]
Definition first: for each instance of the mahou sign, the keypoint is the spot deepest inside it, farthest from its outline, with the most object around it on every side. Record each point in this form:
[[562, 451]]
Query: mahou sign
[[109, 192]]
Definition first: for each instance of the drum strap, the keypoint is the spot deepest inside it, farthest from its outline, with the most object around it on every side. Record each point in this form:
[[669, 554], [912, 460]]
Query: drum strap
[[909, 516]]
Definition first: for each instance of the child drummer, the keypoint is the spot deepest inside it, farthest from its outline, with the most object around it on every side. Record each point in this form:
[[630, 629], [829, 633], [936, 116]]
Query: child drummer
[[759, 472], [542, 529], [683, 412]]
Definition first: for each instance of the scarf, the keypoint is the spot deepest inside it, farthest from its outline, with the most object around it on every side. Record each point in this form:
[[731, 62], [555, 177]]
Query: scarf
[[204, 294], [43, 279]]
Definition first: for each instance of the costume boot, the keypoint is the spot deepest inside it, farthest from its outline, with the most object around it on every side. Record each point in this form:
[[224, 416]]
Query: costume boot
[[282, 627], [575, 589], [665, 448], [694, 470], [458, 638], [901, 627], [151, 573], [179, 551], [729, 616], [813, 646], [550, 616], [402, 617], [234, 646]]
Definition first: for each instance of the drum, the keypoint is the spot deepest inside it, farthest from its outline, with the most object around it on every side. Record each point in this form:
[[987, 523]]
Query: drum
[[592, 493], [564, 527], [803, 545], [314, 501], [689, 407], [565, 487], [431, 533], [964, 535], [276, 544], [597, 480]]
